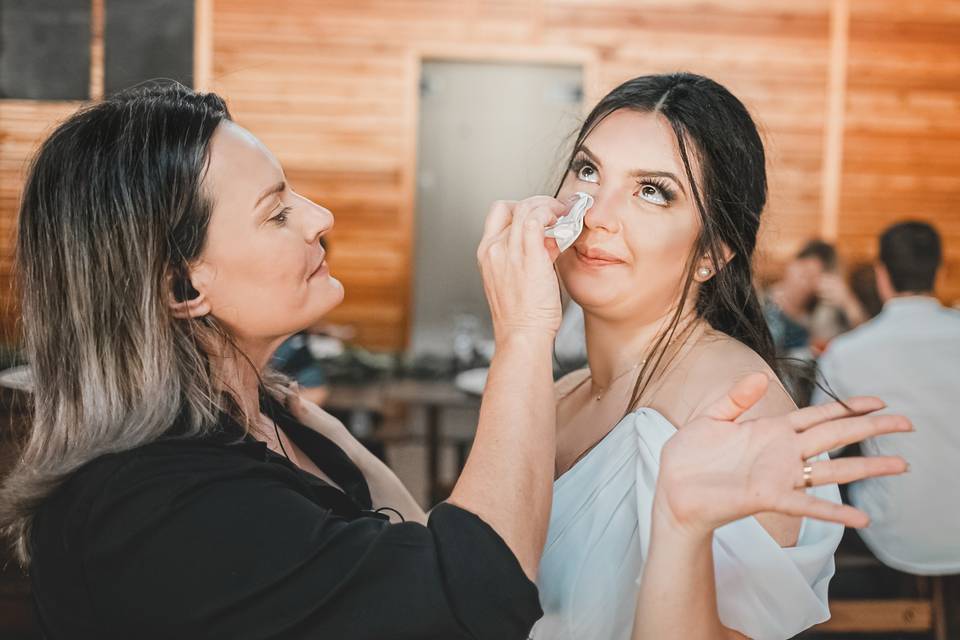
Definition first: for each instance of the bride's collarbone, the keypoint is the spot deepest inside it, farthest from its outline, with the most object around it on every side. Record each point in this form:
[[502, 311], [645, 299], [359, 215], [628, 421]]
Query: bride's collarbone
[[581, 424], [583, 420]]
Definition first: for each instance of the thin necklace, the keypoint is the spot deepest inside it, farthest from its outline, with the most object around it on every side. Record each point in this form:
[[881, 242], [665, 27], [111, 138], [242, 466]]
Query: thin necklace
[[599, 396]]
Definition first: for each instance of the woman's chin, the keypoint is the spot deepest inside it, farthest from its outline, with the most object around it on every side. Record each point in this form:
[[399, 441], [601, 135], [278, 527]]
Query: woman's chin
[[330, 294], [593, 303], [587, 292], [321, 297]]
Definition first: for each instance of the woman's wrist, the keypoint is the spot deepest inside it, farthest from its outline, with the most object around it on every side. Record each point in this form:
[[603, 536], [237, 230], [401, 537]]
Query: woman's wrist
[[524, 337], [679, 528]]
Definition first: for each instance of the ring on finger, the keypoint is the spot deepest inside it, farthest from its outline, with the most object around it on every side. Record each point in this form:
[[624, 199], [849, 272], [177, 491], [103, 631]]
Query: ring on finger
[[808, 476]]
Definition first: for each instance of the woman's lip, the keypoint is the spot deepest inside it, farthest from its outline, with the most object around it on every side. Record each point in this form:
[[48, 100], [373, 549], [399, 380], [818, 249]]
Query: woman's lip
[[320, 270], [596, 258]]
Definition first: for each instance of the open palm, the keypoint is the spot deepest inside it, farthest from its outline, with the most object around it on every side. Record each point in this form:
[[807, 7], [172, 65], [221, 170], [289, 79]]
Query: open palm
[[716, 470]]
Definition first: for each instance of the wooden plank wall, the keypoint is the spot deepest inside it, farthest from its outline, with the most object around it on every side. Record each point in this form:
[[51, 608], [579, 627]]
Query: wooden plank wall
[[331, 87], [329, 90], [902, 131], [23, 125]]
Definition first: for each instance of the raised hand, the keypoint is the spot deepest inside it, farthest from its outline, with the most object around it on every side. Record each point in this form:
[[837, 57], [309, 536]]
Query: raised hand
[[516, 262], [716, 470]]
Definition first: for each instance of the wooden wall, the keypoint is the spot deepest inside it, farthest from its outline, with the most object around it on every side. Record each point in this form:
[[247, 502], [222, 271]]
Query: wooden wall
[[901, 156], [23, 125], [331, 87]]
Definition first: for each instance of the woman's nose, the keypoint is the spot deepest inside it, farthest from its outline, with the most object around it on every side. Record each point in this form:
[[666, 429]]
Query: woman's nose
[[317, 221], [602, 215]]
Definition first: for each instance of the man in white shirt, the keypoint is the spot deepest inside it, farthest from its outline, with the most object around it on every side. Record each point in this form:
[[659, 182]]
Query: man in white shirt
[[909, 356]]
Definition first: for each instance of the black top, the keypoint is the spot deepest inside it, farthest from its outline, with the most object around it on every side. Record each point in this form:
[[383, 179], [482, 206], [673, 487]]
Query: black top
[[214, 538]]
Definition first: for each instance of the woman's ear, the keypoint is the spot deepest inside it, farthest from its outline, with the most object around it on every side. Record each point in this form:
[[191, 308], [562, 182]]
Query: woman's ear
[[707, 267], [185, 301]]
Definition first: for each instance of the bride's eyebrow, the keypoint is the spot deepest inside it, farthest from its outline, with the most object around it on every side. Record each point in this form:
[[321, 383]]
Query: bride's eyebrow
[[635, 173], [586, 151]]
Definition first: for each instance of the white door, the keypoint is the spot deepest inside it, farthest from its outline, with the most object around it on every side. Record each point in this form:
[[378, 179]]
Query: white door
[[487, 132]]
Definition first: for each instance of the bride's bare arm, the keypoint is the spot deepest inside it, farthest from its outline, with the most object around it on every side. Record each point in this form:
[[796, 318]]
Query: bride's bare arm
[[705, 376], [718, 469], [664, 608]]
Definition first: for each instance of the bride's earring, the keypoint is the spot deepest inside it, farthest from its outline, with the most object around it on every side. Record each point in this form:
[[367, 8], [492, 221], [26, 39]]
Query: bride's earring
[[704, 272]]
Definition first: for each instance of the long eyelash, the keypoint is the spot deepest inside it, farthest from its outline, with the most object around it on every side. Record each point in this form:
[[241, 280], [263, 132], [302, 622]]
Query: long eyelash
[[580, 161], [669, 194]]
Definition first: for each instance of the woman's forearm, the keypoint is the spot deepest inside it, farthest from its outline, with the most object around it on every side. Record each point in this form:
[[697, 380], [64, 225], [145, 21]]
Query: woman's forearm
[[508, 478], [678, 590]]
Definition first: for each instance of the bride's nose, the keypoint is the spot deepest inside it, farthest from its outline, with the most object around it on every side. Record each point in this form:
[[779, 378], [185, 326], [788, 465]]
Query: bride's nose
[[602, 215]]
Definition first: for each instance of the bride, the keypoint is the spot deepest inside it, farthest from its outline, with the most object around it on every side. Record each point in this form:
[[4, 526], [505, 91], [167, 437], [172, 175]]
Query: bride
[[662, 270]]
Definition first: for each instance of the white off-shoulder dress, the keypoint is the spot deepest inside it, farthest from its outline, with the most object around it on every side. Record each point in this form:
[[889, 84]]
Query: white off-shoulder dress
[[600, 532]]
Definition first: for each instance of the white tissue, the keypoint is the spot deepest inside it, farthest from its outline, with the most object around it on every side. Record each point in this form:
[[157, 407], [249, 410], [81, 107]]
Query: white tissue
[[568, 228]]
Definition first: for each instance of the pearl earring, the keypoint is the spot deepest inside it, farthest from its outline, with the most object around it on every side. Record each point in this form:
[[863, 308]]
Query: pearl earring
[[704, 272]]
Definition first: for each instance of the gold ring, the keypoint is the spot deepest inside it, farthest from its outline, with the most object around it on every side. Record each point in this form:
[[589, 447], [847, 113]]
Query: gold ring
[[808, 476]]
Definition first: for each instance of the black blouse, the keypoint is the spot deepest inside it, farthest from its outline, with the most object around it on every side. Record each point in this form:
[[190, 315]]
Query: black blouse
[[213, 538]]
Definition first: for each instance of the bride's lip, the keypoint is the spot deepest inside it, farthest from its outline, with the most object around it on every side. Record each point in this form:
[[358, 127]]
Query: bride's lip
[[596, 257]]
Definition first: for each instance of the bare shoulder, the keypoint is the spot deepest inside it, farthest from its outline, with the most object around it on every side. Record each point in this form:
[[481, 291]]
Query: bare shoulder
[[714, 365], [725, 356], [726, 360], [569, 382]]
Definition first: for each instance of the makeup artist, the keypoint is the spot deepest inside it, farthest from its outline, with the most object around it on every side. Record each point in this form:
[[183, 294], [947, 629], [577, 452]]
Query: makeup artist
[[171, 488]]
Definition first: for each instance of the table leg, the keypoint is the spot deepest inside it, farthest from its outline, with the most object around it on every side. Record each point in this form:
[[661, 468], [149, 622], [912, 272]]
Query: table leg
[[433, 454]]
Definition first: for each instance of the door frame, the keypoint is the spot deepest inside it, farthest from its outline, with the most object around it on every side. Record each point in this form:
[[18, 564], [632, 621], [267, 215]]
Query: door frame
[[586, 59]]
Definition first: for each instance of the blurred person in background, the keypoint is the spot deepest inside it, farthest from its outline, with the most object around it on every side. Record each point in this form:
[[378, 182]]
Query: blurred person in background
[[910, 356], [804, 310], [812, 303], [863, 283]]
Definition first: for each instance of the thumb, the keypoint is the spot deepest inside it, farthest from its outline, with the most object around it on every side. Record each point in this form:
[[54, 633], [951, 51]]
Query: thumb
[[552, 249], [741, 396]]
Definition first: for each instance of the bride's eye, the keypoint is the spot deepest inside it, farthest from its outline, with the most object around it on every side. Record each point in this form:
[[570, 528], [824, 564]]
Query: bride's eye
[[587, 173], [656, 193], [584, 170]]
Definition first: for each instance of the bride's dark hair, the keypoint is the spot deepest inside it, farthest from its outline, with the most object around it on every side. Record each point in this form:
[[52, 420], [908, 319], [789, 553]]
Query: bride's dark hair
[[716, 134]]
